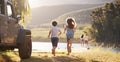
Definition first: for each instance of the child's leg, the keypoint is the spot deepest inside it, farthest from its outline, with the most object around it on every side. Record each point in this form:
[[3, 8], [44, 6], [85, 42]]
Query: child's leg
[[53, 50], [81, 42], [69, 44], [54, 44], [87, 45], [86, 42]]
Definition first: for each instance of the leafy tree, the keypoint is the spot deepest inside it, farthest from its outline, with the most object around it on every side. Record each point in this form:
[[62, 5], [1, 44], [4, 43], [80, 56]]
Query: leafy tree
[[106, 23], [22, 8]]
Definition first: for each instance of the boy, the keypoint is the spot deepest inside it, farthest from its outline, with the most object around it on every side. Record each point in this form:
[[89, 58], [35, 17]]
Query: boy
[[82, 40], [54, 32]]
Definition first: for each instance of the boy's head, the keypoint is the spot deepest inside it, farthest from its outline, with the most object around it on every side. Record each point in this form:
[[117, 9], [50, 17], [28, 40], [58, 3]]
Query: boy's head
[[54, 23]]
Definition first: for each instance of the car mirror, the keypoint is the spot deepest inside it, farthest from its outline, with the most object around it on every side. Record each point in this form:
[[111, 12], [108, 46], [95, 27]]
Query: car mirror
[[18, 17]]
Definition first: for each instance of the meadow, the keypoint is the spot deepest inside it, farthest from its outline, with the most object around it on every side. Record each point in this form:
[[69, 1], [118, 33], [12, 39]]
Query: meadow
[[41, 34]]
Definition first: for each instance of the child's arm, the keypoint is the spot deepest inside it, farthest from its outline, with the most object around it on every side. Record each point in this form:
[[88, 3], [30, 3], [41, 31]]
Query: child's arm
[[49, 33], [59, 33], [65, 30]]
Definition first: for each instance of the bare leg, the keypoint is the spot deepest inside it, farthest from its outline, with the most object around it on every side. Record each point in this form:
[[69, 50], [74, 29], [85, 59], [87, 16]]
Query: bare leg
[[53, 50], [87, 45], [69, 44], [83, 43]]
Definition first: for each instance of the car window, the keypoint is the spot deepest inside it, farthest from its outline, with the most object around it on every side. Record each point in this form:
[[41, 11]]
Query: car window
[[9, 10]]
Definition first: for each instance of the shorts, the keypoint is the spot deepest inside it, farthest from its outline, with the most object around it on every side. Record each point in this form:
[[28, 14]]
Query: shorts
[[86, 41], [82, 40], [54, 41], [70, 34]]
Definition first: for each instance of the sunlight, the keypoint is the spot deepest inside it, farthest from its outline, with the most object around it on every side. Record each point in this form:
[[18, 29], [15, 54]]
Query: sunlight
[[38, 3], [35, 3]]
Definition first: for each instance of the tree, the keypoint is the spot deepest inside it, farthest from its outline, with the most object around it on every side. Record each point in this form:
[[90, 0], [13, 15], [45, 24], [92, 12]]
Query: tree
[[106, 23], [22, 8]]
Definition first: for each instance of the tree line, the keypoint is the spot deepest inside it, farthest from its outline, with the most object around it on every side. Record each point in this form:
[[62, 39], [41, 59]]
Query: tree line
[[106, 23]]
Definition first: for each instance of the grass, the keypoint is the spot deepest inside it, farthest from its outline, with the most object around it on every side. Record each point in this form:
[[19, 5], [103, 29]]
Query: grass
[[9, 56], [37, 34], [42, 34], [92, 55]]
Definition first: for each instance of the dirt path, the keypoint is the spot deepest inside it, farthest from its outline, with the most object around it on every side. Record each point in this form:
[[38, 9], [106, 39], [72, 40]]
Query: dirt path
[[41, 57], [47, 57], [86, 56]]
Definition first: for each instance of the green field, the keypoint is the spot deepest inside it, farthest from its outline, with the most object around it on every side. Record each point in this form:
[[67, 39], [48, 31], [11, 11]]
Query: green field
[[41, 34]]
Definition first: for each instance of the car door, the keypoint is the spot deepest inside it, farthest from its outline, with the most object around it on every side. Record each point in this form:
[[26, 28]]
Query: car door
[[3, 22], [12, 29]]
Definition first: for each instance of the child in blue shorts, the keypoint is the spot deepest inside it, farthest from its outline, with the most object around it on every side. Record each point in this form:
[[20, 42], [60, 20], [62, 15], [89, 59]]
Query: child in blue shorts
[[70, 29]]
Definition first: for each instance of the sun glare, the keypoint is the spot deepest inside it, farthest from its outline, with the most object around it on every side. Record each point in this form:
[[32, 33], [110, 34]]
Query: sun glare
[[35, 3], [38, 3]]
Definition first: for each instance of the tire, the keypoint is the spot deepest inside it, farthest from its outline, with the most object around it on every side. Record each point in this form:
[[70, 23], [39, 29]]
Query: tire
[[25, 47]]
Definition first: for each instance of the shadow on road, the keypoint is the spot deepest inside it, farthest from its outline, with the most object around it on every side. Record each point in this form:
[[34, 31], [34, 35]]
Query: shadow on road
[[54, 59]]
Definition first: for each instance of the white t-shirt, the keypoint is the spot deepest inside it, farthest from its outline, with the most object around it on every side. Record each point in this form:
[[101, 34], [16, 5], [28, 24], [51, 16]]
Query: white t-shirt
[[55, 31]]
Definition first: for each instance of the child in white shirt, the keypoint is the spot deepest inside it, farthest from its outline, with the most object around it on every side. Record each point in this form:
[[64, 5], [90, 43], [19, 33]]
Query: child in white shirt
[[54, 33]]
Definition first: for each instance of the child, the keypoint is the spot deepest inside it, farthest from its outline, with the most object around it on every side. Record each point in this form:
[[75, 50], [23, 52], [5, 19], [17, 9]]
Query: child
[[86, 40], [54, 32], [70, 28], [82, 40]]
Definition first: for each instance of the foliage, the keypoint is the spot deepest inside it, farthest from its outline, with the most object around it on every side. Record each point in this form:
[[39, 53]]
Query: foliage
[[106, 23], [22, 8]]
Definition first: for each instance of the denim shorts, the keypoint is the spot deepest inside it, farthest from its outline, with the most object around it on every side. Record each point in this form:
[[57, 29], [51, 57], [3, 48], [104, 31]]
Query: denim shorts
[[70, 34]]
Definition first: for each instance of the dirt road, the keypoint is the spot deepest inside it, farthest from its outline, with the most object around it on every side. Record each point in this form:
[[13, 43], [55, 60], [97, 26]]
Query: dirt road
[[41, 57], [92, 55]]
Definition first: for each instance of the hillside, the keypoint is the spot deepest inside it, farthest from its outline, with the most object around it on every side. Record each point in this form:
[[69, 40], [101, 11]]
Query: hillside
[[81, 16], [45, 14]]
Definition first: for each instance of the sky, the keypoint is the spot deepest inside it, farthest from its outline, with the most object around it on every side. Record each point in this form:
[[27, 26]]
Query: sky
[[38, 3]]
